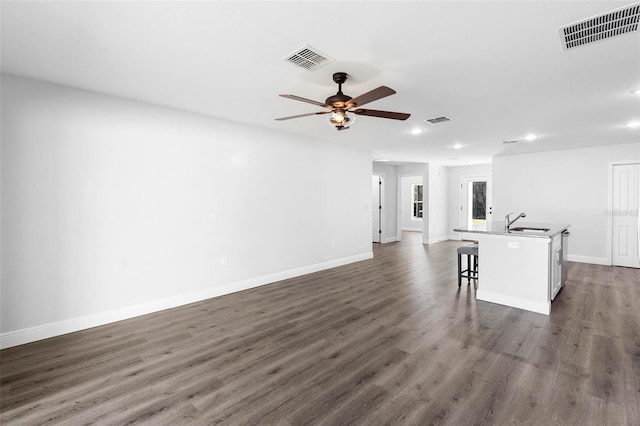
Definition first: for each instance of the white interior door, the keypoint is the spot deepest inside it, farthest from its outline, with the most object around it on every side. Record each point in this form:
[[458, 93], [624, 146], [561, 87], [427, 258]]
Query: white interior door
[[376, 209], [475, 202], [626, 215]]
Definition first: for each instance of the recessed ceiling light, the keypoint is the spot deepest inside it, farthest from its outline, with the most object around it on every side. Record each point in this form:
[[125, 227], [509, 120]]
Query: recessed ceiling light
[[530, 137], [636, 92], [416, 131], [457, 146], [633, 124]]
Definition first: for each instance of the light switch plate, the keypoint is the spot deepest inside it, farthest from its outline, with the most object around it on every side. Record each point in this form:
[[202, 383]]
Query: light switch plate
[[513, 245]]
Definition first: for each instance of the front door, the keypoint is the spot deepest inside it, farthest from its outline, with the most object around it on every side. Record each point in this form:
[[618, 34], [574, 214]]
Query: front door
[[475, 202]]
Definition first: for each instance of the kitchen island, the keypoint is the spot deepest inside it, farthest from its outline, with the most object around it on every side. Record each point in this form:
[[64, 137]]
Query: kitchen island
[[523, 267]]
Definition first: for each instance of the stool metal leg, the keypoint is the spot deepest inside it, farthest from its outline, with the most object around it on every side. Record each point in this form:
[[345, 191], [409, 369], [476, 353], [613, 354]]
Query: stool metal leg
[[475, 266], [459, 270]]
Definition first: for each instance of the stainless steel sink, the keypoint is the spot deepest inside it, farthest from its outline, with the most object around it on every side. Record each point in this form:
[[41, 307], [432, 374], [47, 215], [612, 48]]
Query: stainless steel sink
[[525, 229]]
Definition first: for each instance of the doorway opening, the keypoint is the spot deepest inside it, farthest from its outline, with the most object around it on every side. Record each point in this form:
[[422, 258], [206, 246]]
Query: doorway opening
[[376, 208], [412, 203]]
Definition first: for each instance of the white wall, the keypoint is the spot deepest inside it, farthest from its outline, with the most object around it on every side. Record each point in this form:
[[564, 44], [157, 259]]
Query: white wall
[[570, 186], [407, 222], [438, 204], [453, 191], [113, 208], [389, 199]]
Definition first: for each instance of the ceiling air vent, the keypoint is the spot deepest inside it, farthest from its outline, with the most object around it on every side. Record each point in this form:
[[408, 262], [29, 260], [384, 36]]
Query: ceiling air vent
[[308, 58], [511, 141], [439, 120], [610, 24]]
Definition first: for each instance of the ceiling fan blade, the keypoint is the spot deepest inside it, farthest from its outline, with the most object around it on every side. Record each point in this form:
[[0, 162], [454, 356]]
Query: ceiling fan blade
[[373, 95], [302, 115], [382, 114], [309, 101]]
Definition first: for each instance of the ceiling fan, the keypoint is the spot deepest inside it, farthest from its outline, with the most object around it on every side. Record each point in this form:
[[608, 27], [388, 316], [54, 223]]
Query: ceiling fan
[[340, 104]]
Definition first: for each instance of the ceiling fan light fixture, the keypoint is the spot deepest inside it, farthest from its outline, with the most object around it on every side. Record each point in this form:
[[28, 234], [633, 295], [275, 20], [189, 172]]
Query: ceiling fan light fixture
[[340, 119], [339, 104]]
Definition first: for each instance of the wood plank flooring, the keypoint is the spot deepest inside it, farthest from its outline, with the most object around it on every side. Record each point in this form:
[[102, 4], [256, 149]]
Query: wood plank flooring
[[391, 340]]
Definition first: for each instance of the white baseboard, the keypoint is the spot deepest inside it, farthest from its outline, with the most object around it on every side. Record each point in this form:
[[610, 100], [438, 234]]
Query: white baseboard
[[514, 302], [45, 331], [390, 239], [411, 229], [437, 240], [589, 259], [455, 237]]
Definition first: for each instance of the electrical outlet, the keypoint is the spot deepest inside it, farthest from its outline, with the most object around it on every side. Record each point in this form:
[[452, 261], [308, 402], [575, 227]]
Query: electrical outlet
[[224, 261], [333, 243], [513, 245]]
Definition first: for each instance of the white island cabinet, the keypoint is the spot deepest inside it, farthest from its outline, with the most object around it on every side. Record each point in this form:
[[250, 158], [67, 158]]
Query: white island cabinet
[[522, 267]]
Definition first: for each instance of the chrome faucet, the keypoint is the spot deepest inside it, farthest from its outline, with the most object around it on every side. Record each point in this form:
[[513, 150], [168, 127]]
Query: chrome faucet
[[508, 223]]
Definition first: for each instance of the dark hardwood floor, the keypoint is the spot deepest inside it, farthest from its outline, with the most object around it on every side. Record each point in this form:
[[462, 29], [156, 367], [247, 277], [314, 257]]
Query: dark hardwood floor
[[390, 340]]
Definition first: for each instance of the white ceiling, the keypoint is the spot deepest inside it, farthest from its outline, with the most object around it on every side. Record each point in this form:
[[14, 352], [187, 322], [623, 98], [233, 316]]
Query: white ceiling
[[496, 68]]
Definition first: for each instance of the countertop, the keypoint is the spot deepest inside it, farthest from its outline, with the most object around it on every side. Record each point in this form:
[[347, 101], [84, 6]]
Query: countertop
[[497, 228]]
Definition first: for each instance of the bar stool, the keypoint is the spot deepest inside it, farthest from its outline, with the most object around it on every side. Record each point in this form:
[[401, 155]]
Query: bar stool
[[471, 273]]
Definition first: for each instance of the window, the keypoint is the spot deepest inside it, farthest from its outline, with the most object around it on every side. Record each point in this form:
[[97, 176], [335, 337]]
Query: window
[[479, 209], [416, 201]]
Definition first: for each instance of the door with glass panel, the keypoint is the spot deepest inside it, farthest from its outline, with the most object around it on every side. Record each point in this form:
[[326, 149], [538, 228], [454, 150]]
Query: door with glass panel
[[475, 202]]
